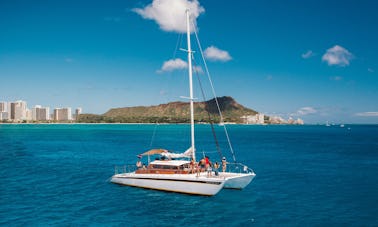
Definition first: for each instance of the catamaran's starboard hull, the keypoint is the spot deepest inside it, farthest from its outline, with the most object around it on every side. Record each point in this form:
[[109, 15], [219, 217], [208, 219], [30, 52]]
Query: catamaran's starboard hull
[[188, 183], [237, 180]]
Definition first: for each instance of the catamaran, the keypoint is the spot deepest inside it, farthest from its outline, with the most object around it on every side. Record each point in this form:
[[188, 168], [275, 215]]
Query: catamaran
[[179, 175], [174, 175]]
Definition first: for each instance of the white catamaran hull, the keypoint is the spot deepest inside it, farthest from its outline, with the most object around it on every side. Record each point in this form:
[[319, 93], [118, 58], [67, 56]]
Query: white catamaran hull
[[188, 184], [237, 180]]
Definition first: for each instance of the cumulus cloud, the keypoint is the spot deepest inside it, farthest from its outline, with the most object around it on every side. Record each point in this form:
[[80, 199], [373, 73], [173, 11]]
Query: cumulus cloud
[[337, 55], [306, 111], [367, 114], [308, 54], [213, 53], [173, 64], [170, 14]]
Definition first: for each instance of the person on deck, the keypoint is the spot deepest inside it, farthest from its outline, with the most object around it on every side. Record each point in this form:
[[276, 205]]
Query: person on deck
[[198, 168], [216, 166], [139, 163], [192, 166], [202, 164], [224, 164], [208, 166]]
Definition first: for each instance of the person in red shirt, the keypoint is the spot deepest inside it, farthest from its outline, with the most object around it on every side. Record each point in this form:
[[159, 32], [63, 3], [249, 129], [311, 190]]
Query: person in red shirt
[[208, 166]]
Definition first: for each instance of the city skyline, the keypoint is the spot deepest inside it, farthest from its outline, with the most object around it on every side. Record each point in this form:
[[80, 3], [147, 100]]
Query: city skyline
[[314, 60], [18, 111]]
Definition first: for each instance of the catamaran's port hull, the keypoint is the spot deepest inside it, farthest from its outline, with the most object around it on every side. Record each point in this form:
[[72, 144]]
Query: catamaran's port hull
[[237, 180], [189, 184]]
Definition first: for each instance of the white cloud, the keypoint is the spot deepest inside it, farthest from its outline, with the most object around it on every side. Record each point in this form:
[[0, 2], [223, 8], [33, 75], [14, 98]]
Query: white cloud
[[336, 78], [308, 54], [173, 64], [170, 14], [306, 111], [214, 54], [337, 55], [163, 92], [367, 114], [197, 69]]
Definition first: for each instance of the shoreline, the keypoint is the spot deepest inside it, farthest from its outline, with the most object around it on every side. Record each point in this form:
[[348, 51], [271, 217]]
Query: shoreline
[[239, 124]]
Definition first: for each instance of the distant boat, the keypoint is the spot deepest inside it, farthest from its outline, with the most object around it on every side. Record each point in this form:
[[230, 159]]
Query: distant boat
[[342, 126], [181, 175]]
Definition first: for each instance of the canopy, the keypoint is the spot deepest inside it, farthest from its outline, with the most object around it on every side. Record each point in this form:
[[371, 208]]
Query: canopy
[[153, 151]]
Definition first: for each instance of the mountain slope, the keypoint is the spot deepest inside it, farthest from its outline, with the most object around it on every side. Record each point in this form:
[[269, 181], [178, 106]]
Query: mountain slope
[[175, 112]]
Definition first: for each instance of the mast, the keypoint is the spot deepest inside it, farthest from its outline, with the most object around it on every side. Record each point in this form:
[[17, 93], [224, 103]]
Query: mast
[[190, 84]]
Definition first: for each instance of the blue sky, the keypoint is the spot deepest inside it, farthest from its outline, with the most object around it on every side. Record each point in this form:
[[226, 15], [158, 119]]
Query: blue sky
[[317, 60]]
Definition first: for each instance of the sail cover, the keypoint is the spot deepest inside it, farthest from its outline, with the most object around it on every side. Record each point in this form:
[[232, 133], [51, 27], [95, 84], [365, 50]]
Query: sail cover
[[186, 154]]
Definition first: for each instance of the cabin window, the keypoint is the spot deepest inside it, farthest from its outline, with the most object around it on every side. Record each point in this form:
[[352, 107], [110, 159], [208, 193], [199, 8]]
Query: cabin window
[[164, 167]]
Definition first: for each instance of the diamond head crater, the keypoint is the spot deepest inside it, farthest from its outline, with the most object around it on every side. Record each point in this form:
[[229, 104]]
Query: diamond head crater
[[174, 112]]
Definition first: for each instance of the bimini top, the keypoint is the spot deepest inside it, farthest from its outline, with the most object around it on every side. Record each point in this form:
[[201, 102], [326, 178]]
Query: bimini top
[[170, 162], [153, 151]]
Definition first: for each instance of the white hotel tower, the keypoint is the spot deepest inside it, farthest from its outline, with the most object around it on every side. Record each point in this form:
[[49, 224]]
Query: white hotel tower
[[40, 113], [3, 111], [62, 114], [18, 110]]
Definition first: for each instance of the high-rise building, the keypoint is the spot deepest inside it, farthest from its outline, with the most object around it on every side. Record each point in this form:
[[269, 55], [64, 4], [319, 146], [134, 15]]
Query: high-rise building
[[77, 112], [3, 111], [4, 116], [18, 110], [40, 113], [62, 114], [3, 107]]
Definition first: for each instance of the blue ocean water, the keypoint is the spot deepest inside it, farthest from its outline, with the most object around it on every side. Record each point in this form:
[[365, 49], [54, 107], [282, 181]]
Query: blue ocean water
[[306, 176]]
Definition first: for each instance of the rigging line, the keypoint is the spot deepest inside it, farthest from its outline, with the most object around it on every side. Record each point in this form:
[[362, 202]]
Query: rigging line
[[210, 152], [207, 111], [215, 96], [152, 140], [178, 43], [170, 73], [153, 134]]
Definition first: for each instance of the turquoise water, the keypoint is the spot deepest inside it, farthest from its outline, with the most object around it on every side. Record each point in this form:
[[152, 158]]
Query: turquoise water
[[306, 175]]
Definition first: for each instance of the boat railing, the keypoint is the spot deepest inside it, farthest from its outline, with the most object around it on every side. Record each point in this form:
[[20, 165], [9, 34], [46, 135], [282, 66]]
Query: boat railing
[[129, 168], [231, 168], [237, 168], [125, 169]]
